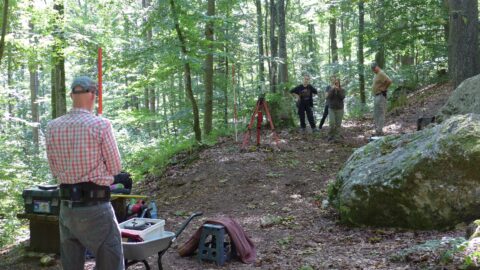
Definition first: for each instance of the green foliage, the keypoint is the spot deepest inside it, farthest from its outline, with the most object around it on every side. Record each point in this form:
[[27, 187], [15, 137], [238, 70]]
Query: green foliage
[[141, 159], [332, 190], [138, 65], [443, 250], [19, 169], [285, 242]]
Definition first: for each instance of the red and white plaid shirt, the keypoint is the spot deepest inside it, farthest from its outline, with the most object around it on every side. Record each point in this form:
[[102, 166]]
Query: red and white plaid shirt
[[81, 148]]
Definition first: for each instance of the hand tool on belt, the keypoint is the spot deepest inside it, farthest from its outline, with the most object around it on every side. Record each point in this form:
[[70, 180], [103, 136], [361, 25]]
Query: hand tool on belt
[[83, 194]]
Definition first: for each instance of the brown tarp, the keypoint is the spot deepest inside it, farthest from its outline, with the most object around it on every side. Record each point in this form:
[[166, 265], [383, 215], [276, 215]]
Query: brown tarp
[[243, 245]]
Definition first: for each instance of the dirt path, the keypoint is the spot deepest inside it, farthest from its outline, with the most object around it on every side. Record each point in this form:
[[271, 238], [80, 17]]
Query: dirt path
[[277, 198]]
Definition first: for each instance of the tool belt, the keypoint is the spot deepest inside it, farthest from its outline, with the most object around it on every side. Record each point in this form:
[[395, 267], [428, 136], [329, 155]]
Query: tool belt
[[86, 193], [384, 93]]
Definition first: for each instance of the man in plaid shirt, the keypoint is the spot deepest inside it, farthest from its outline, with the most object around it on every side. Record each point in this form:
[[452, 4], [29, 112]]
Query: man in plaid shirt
[[83, 157]]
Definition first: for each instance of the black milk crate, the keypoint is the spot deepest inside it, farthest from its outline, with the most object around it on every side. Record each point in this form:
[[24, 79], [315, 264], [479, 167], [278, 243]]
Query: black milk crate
[[42, 199]]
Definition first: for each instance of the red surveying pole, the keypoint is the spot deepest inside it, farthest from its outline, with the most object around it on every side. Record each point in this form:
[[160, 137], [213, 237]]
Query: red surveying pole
[[99, 68]]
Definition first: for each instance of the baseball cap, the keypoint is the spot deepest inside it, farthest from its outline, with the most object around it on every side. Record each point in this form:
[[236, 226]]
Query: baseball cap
[[85, 83], [373, 65]]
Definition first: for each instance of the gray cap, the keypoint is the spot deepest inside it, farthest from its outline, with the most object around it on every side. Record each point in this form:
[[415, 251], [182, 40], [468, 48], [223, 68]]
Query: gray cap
[[373, 65], [85, 83]]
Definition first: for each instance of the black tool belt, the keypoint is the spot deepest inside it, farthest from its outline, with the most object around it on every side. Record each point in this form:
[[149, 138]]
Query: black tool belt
[[86, 193], [383, 93]]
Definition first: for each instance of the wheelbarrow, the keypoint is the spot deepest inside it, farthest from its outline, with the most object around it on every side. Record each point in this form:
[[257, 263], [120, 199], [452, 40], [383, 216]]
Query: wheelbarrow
[[135, 252]]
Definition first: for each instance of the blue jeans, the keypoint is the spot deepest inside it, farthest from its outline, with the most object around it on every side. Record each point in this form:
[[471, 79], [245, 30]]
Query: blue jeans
[[94, 228]]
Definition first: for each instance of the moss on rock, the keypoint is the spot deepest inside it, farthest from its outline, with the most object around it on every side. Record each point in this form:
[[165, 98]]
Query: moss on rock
[[428, 179]]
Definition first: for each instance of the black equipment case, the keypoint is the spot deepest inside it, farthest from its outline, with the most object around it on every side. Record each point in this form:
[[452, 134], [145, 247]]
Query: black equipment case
[[42, 199]]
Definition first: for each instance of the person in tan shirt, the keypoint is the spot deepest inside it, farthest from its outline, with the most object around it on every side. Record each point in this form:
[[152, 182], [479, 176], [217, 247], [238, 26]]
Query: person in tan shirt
[[381, 82]]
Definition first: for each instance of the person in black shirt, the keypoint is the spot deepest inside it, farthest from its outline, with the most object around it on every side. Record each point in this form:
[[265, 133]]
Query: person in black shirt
[[304, 95]]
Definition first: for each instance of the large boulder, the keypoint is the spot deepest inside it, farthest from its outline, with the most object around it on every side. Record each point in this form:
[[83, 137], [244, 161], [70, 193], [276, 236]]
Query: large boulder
[[424, 180], [465, 99]]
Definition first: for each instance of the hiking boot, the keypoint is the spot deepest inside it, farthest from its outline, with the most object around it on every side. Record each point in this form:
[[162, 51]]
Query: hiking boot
[[302, 130], [315, 130]]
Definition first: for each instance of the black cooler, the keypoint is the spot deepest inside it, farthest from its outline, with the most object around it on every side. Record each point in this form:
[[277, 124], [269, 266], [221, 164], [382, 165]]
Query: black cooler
[[42, 199]]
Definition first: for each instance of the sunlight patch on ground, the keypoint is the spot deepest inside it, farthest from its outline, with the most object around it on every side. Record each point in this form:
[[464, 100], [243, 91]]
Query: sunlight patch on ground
[[297, 198], [394, 128]]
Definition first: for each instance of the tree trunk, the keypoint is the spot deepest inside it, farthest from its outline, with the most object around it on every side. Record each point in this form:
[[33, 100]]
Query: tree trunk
[[273, 47], [227, 79], [261, 67], [266, 35], [10, 81], [165, 107], [312, 66], [207, 122], [188, 76], [361, 68], [463, 40], [4, 28], [59, 101], [446, 31], [380, 26], [34, 82], [333, 40], [152, 96], [282, 46], [147, 97], [346, 47]]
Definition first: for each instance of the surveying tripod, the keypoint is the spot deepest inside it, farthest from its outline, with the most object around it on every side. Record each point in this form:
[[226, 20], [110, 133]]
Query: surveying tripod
[[259, 107]]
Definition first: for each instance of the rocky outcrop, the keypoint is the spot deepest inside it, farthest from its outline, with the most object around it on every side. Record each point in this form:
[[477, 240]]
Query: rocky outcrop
[[428, 179], [465, 99]]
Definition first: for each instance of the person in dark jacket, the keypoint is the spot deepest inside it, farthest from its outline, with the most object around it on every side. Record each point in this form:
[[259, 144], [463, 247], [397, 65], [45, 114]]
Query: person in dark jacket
[[325, 109], [304, 95], [335, 99]]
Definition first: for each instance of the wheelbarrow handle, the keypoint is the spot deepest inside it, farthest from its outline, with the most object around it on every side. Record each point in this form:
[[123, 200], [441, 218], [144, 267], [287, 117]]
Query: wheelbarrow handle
[[185, 223]]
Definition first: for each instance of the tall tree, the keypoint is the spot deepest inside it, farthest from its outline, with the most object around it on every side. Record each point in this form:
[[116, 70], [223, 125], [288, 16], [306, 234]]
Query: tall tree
[[361, 67], [282, 45], [332, 26], [187, 71], [34, 85], [4, 28], [273, 47], [463, 40], [226, 70], [207, 122], [346, 45], [261, 66], [10, 80], [312, 66], [333, 39], [380, 29], [59, 102], [148, 40]]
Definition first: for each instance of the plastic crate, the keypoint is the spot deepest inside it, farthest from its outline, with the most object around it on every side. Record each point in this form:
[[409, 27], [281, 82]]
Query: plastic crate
[[152, 230]]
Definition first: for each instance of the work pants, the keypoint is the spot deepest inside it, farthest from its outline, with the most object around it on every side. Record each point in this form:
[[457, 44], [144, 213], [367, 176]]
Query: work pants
[[335, 122], [306, 108], [379, 107], [94, 228]]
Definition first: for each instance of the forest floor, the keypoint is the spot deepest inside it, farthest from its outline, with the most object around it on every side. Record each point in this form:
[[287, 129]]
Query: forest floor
[[277, 198]]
